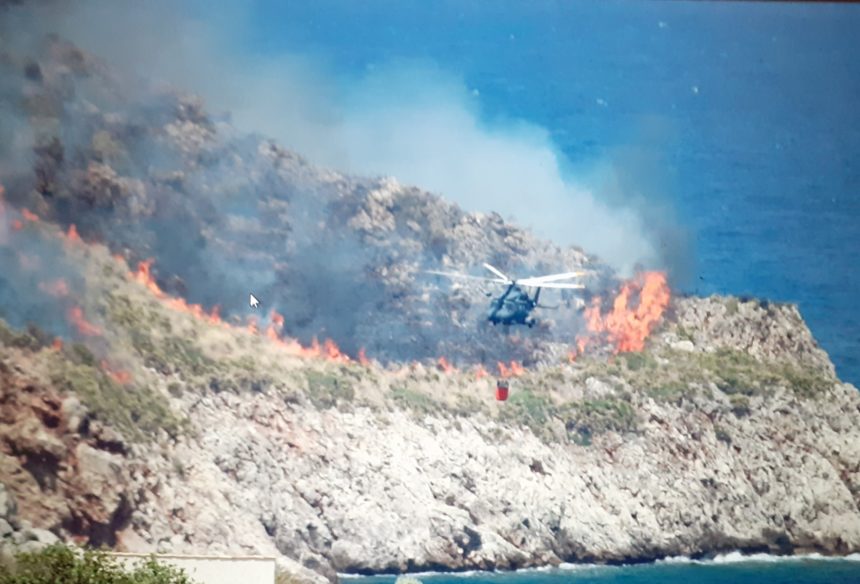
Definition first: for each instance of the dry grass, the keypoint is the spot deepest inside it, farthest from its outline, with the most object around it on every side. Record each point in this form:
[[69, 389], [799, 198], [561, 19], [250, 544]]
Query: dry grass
[[158, 342]]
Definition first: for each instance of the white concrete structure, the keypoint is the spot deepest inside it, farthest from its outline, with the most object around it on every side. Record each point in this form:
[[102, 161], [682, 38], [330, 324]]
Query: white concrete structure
[[214, 569]]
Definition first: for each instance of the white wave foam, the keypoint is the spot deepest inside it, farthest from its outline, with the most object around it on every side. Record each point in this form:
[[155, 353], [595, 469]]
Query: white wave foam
[[579, 567], [722, 559], [427, 574], [738, 558]]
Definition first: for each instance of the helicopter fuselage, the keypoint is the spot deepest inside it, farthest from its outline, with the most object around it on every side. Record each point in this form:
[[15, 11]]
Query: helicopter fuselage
[[514, 306]]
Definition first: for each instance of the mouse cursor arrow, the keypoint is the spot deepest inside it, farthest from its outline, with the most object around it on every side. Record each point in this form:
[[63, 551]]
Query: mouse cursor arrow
[[253, 301]]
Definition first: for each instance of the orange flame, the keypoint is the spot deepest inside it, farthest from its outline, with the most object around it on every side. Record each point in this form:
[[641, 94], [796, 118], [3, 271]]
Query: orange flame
[[27, 215], [512, 370], [17, 225], [516, 369], [195, 310], [277, 319], [332, 352], [143, 275], [329, 350], [57, 345], [72, 233], [480, 372], [362, 357], [121, 377], [444, 366], [626, 327], [57, 288], [83, 326], [276, 324]]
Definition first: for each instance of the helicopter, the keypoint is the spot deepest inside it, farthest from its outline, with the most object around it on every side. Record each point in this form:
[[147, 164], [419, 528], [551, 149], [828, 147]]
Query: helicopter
[[515, 305]]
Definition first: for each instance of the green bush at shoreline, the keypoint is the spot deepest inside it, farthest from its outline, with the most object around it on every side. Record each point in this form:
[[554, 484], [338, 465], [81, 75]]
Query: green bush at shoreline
[[60, 564]]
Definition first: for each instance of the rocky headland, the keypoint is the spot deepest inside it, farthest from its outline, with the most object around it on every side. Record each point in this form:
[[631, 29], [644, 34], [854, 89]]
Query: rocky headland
[[136, 416]]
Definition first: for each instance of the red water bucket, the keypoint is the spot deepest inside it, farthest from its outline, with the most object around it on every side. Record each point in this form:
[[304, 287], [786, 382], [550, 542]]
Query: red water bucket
[[501, 390]]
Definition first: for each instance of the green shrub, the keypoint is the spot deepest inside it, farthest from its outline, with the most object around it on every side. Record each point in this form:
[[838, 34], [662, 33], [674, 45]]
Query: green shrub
[[591, 417], [529, 409], [804, 382], [580, 435], [722, 435], [418, 402], [740, 405], [59, 564], [732, 306], [327, 390], [736, 382], [137, 412], [80, 354], [670, 391], [171, 354], [684, 334], [468, 405], [32, 339], [640, 360]]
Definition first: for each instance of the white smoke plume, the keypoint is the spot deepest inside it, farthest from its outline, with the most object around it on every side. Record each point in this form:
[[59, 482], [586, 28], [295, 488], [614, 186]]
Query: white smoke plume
[[409, 120]]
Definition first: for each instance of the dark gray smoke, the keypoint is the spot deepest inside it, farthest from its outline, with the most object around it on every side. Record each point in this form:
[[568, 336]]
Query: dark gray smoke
[[151, 172], [404, 119]]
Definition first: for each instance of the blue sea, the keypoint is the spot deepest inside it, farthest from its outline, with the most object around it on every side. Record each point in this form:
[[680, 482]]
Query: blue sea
[[744, 115], [761, 569], [771, 571]]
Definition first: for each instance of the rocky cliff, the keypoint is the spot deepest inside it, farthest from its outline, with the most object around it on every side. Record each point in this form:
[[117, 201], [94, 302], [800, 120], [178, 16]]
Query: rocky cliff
[[729, 431], [135, 415]]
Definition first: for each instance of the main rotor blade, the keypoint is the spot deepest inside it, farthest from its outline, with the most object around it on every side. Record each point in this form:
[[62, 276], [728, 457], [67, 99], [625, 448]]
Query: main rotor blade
[[498, 272], [466, 276], [552, 278], [559, 285]]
